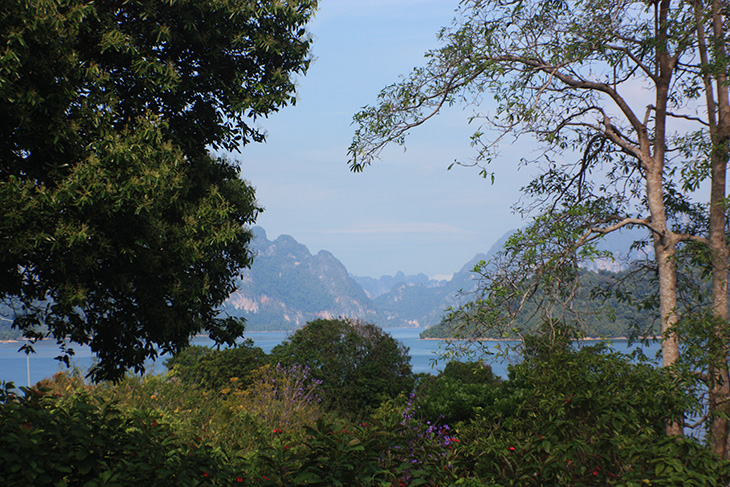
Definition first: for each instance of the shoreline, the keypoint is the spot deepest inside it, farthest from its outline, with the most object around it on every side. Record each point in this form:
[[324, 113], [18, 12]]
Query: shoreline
[[586, 339]]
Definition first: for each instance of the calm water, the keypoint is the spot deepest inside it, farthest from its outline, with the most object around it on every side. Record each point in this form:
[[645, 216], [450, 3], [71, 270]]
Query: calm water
[[15, 366]]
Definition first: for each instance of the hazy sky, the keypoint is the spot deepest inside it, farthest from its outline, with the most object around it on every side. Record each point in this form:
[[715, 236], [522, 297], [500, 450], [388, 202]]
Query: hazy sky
[[406, 212]]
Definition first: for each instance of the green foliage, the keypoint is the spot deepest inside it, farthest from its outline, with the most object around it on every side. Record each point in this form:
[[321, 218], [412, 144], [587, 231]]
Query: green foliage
[[392, 448], [195, 414], [281, 397], [333, 456], [536, 282], [214, 369], [127, 234], [604, 305], [359, 364], [49, 441], [458, 393], [563, 417], [588, 417], [419, 452], [239, 420]]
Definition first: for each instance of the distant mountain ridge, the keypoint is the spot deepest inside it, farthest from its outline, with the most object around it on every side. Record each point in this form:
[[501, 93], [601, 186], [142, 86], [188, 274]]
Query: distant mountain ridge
[[377, 287], [288, 286]]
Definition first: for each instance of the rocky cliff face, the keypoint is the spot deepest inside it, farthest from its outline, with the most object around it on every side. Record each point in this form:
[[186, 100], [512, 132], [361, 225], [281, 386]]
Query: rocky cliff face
[[288, 286]]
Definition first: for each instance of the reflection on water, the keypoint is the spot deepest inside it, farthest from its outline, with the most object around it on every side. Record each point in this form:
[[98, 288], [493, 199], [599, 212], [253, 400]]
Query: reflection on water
[[14, 366]]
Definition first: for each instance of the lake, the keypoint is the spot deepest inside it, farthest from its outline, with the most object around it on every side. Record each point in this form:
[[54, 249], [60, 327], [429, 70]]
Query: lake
[[16, 367]]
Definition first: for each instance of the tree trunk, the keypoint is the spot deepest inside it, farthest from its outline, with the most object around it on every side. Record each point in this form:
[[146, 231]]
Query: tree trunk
[[665, 241], [718, 371], [718, 118]]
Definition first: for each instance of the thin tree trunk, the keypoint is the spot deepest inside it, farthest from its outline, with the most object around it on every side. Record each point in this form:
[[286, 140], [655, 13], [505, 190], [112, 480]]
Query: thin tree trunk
[[665, 241], [718, 118]]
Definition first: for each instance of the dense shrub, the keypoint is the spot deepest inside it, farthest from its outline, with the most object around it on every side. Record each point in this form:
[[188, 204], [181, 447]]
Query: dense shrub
[[281, 398], [77, 440], [394, 448], [563, 417], [213, 368], [588, 417], [457, 393], [237, 418], [359, 364]]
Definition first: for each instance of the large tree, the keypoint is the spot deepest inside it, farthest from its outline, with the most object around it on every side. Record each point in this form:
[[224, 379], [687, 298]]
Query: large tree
[[120, 230], [612, 90]]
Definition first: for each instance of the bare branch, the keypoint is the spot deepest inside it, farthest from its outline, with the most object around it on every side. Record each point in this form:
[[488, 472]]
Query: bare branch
[[651, 108], [597, 232]]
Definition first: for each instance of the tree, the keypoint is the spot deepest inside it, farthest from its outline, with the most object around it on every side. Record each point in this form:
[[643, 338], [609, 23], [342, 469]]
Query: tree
[[712, 19], [120, 230], [358, 363], [457, 393], [566, 73]]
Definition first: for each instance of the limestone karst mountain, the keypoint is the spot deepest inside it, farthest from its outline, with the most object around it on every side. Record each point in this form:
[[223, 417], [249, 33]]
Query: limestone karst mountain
[[288, 286]]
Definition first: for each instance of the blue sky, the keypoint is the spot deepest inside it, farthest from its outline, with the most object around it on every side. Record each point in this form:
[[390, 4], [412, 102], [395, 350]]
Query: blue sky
[[407, 212]]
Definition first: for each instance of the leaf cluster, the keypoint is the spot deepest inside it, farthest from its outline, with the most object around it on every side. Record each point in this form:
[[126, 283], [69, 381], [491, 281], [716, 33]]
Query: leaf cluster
[[78, 440], [588, 417]]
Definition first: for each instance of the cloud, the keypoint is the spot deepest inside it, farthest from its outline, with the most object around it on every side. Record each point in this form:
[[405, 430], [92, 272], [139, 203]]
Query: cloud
[[399, 228]]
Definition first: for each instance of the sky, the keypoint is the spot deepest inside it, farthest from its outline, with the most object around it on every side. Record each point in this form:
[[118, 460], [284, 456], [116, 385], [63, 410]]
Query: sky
[[406, 212]]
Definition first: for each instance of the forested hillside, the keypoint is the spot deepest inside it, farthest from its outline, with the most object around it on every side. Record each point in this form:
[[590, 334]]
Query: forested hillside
[[598, 312]]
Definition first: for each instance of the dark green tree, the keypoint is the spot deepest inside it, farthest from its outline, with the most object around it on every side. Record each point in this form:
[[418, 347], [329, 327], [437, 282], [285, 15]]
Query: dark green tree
[[457, 393], [119, 229], [358, 363]]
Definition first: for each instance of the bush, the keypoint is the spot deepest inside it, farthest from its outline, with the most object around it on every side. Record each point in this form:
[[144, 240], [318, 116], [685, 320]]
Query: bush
[[589, 418], [457, 393], [46, 440], [214, 369], [282, 398], [359, 364], [392, 449]]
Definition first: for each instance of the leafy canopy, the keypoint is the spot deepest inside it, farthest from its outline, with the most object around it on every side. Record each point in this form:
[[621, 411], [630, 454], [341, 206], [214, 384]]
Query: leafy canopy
[[358, 363], [119, 229]]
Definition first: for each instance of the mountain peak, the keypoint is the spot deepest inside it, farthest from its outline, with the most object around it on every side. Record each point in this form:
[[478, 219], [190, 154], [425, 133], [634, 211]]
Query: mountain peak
[[258, 233], [286, 287]]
